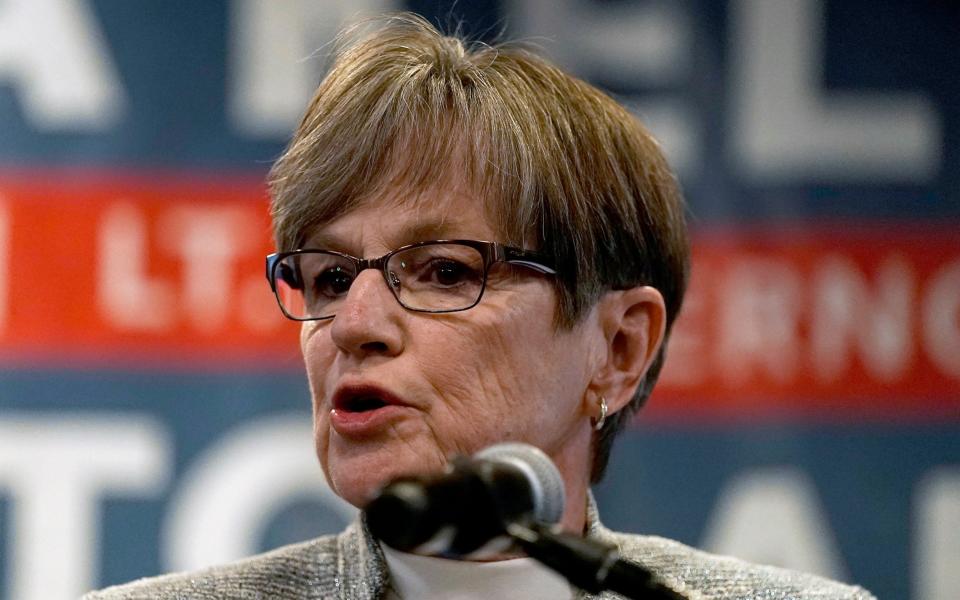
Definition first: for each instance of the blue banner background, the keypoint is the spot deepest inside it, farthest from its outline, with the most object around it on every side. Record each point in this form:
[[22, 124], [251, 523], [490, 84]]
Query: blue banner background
[[173, 59]]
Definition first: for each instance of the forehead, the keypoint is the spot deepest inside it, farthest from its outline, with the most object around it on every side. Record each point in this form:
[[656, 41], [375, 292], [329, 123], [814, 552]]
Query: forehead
[[386, 221]]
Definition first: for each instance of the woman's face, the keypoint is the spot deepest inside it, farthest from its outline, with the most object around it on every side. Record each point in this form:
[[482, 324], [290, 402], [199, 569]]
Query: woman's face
[[397, 392]]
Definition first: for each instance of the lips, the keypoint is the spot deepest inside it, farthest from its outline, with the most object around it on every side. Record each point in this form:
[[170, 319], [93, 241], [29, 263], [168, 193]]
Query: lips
[[364, 409]]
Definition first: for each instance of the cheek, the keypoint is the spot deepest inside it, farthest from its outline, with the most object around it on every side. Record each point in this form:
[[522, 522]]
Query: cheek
[[547, 370], [317, 356], [485, 351], [501, 364], [518, 349]]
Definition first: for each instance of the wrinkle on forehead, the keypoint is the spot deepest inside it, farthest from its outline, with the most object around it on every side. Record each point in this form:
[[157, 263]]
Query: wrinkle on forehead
[[404, 217]]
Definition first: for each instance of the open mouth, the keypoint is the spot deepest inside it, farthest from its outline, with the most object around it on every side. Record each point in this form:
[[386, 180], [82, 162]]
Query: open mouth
[[359, 404], [363, 409], [363, 398]]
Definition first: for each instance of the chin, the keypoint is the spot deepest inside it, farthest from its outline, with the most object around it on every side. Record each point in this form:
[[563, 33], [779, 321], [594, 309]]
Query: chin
[[359, 472]]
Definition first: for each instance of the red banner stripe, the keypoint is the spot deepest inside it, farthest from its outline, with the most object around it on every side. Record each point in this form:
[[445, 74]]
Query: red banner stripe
[[168, 269]]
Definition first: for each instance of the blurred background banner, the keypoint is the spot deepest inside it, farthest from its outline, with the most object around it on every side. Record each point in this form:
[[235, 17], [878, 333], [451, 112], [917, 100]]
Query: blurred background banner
[[153, 412]]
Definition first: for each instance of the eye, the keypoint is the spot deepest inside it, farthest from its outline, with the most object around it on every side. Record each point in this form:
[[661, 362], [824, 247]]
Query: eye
[[449, 272], [439, 267], [333, 282], [289, 275], [446, 272]]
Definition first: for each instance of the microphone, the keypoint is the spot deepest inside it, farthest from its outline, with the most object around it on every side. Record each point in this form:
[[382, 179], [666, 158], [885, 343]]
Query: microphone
[[467, 509], [505, 494]]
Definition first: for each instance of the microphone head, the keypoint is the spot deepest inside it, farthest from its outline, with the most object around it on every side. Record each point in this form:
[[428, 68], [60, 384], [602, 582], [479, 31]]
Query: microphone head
[[465, 510], [545, 480]]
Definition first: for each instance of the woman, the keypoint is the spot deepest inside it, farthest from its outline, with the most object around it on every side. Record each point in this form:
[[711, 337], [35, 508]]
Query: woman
[[481, 248]]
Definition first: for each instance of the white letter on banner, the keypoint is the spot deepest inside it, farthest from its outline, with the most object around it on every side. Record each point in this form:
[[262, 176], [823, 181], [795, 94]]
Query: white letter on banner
[[759, 307], [689, 360], [274, 66], [846, 312], [54, 52], [208, 240], [941, 319], [773, 516], [938, 535], [629, 43], [55, 468], [128, 298], [783, 130], [228, 495]]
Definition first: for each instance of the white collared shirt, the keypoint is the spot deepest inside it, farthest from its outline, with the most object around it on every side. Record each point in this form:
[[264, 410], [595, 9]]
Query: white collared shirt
[[429, 578]]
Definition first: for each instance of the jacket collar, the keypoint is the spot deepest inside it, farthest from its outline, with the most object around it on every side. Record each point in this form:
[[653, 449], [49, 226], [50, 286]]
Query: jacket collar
[[362, 572]]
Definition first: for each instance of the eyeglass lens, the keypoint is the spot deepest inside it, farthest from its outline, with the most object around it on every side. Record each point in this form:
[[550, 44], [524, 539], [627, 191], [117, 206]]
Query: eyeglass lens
[[433, 277]]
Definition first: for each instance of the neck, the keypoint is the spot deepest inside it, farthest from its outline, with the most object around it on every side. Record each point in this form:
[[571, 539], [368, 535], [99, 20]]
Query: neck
[[574, 460]]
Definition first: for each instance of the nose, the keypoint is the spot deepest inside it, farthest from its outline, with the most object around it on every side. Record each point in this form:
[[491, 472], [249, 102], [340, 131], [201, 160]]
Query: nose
[[369, 320]]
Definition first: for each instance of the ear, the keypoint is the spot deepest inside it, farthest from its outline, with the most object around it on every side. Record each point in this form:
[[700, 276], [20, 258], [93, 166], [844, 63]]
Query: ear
[[633, 323]]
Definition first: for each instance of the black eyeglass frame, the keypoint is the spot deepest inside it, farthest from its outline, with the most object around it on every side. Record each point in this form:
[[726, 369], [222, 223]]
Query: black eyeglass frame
[[491, 252]]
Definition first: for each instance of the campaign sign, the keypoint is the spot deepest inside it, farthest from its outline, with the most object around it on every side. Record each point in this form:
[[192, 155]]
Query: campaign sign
[[154, 414]]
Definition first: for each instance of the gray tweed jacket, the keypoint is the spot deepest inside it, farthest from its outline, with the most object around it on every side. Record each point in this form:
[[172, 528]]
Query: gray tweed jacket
[[350, 566]]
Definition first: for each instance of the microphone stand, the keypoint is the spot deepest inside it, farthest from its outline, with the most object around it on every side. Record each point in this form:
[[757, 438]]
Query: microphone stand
[[588, 564]]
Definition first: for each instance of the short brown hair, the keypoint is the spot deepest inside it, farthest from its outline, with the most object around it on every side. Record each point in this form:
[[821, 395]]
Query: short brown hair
[[563, 168]]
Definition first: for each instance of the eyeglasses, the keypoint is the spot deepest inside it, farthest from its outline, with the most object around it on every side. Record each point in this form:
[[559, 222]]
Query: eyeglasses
[[434, 277]]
